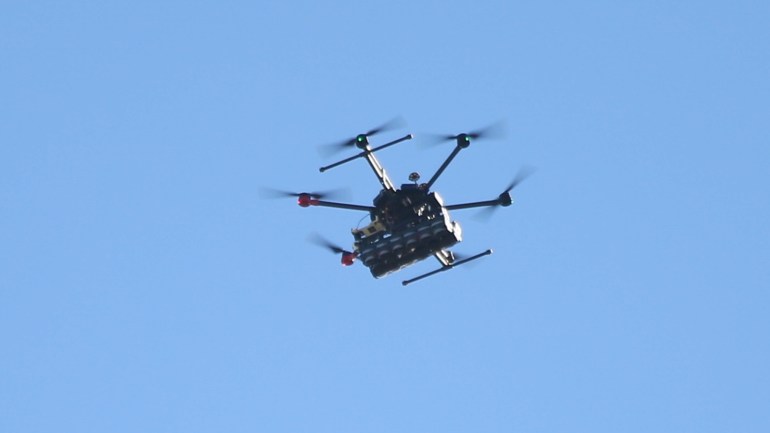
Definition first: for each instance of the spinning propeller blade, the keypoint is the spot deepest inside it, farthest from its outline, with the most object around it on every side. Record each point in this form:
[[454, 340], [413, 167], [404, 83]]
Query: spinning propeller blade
[[505, 196], [277, 193], [347, 259], [495, 130], [323, 242], [330, 149], [394, 123], [524, 172]]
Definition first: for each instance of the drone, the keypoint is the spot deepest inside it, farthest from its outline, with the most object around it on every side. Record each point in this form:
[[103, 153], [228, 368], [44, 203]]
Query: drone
[[406, 224]]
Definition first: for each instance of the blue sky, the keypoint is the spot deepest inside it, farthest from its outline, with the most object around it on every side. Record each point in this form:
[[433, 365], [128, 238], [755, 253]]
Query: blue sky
[[146, 286]]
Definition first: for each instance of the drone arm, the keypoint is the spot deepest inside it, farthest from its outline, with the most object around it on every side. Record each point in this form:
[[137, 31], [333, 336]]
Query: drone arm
[[486, 203], [346, 160], [447, 267], [366, 152], [323, 203], [441, 269], [503, 199], [404, 138], [443, 167]]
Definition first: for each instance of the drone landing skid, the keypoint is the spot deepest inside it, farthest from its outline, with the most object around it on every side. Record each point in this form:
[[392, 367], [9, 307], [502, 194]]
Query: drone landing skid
[[447, 267]]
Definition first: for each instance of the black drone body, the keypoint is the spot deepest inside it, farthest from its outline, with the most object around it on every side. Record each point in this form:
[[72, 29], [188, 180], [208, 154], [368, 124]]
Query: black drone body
[[407, 224]]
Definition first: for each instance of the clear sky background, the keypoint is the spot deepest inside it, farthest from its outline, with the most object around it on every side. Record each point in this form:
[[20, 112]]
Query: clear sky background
[[146, 286]]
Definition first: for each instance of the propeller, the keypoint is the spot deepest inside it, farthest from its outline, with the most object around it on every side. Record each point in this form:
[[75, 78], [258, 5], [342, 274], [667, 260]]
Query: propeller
[[361, 139], [495, 130], [524, 172], [504, 199], [318, 195], [323, 242], [348, 258]]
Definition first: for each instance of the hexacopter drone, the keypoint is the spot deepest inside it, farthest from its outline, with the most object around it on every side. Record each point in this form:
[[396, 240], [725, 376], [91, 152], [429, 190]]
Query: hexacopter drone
[[407, 224]]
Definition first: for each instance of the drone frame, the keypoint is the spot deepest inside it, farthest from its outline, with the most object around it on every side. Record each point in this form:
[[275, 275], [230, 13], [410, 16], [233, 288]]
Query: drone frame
[[463, 141]]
